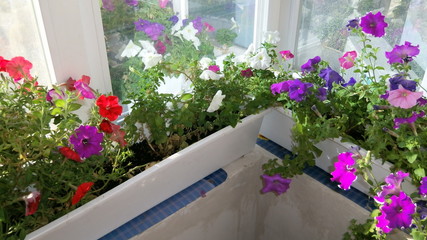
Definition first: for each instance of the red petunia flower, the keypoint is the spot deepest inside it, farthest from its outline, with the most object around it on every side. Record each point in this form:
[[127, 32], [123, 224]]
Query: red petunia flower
[[106, 126], [32, 201], [19, 67], [70, 154], [3, 63], [69, 84], [109, 107], [118, 135], [81, 192]]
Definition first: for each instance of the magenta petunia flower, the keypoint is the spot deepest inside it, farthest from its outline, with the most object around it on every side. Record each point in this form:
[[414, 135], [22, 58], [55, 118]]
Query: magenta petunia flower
[[393, 185], [373, 24], [247, 73], [275, 183], [402, 53], [160, 47], [87, 141], [344, 172], [163, 3], [286, 54], [214, 68], [423, 187], [310, 65], [84, 90], [347, 60], [403, 98], [409, 120], [397, 213], [53, 95], [298, 89], [279, 87]]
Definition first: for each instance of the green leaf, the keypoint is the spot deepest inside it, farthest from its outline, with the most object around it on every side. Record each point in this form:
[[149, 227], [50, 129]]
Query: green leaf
[[411, 157], [56, 111], [420, 172], [60, 103], [74, 106], [417, 235], [186, 97]]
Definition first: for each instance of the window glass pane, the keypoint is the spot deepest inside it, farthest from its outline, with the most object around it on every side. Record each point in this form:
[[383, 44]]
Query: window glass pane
[[223, 26], [323, 32], [19, 36]]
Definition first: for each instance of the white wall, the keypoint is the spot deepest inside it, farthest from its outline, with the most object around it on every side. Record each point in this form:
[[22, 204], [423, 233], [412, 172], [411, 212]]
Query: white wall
[[235, 210]]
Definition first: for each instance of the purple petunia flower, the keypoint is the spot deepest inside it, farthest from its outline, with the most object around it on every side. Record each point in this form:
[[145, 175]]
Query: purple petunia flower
[[353, 23], [174, 19], [279, 87], [331, 77], [87, 141], [344, 172], [402, 53], [422, 209], [197, 24], [397, 213], [298, 89], [373, 24], [409, 120], [399, 79], [152, 29], [350, 82], [321, 94], [108, 5], [275, 183], [132, 3], [393, 185], [421, 101], [309, 66]]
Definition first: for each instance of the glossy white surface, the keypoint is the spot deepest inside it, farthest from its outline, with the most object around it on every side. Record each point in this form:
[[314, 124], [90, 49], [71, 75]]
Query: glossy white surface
[[145, 190]]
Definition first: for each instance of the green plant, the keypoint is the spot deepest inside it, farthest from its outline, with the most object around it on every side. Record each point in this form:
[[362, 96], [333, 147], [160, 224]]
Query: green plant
[[45, 154], [381, 112], [225, 36]]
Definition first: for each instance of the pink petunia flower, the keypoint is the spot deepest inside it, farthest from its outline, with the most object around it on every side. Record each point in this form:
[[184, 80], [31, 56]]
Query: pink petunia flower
[[344, 172], [286, 54], [163, 3], [403, 98], [209, 28], [347, 60]]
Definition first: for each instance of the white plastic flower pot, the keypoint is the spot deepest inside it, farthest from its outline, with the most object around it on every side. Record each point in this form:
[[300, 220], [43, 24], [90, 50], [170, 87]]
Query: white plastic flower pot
[[277, 127], [142, 192]]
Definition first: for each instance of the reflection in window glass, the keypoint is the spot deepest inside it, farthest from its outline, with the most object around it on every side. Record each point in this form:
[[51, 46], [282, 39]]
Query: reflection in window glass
[[139, 33], [19, 36], [323, 32]]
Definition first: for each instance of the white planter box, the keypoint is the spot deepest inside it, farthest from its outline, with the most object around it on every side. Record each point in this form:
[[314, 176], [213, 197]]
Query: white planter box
[[277, 127], [142, 192]]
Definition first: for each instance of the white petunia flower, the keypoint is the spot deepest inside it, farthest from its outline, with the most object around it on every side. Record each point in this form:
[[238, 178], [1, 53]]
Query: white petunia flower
[[189, 34], [178, 25], [272, 37], [244, 58], [210, 75], [147, 46], [205, 62], [150, 59], [261, 60], [175, 85], [131, 50], [216, 102]]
